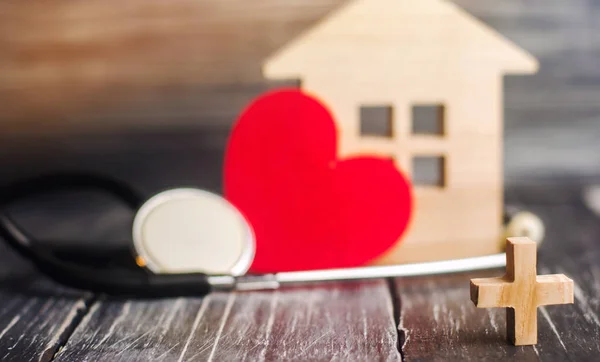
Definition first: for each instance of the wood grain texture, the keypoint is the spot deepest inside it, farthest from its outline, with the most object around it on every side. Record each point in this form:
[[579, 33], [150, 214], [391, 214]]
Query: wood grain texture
[[351, 321], [132, 331], [36, 315], [438, 325], [572, 250]]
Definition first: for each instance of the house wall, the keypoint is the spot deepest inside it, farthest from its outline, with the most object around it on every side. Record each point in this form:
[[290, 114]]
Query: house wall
[[464, 218]]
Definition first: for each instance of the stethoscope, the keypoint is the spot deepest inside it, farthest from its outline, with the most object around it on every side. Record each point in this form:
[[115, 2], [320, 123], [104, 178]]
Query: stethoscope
[[189, 242]]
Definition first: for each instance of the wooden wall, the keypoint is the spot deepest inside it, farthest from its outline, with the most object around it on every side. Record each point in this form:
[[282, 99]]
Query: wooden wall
[[68, 65], [147, 90]]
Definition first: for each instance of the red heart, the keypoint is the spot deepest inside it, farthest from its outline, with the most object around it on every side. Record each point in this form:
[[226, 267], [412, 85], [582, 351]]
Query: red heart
[[308, 209]]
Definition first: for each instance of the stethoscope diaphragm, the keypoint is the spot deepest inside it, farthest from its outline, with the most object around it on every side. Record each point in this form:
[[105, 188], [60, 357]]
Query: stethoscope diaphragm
[[190, 230]]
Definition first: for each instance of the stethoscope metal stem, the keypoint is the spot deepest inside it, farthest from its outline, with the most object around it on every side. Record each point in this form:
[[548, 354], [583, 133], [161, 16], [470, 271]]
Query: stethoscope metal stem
[[274, 281]]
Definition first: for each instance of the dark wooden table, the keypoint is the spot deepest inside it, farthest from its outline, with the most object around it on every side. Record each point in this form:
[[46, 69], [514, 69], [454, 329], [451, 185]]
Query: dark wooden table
[[421, 318]]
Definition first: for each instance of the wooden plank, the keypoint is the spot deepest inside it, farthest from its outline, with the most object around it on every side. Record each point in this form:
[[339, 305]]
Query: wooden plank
[[351, 321], [36, 316], [132, 330], [439, 321], [573, 250]]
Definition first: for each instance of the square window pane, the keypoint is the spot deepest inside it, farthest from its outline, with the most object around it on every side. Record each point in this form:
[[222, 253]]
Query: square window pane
[[376, 121], [428, 119], [429, 171]]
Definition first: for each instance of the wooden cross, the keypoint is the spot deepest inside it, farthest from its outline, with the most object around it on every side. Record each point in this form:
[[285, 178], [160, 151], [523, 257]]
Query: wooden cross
[[521, 291]]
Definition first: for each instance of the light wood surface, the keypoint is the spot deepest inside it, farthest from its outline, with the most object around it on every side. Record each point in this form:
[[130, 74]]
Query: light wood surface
[[521, 291], [403, 53]]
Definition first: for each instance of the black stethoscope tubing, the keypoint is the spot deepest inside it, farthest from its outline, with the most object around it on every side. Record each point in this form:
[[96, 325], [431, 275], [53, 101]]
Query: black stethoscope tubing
[[100, 275], [138, 283]]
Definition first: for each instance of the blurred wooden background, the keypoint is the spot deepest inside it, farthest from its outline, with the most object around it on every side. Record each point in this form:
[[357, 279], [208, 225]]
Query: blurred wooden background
[[147, 90]]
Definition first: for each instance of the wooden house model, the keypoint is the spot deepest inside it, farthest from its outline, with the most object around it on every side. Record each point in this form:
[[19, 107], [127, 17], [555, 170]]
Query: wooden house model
[[420, 81]]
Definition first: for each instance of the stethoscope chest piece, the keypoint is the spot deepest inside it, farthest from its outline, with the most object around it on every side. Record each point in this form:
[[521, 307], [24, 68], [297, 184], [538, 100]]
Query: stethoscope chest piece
[[189, 230]]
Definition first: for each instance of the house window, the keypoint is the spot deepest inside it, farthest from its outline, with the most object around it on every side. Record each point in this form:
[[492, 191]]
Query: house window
[[429, 171], [376, 121], [428, 119]]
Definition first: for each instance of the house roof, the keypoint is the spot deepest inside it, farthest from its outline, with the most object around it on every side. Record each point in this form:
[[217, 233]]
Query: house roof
[[388, 35]]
